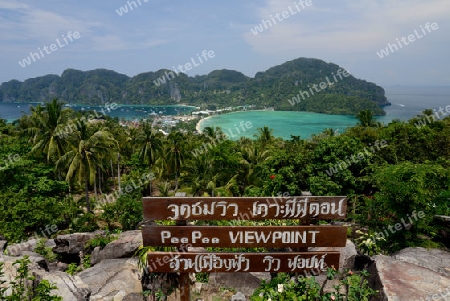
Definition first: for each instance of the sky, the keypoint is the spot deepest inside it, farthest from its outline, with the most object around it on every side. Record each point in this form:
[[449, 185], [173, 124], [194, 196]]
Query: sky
[[156, 34]]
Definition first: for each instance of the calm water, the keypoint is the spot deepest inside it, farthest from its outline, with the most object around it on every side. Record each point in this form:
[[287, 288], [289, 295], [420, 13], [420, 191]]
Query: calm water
[[407, 102], [11, 112]]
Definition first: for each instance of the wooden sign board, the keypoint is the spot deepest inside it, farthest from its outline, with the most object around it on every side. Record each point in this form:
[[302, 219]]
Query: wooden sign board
[[245, 208], [243, 262], [245, 236]]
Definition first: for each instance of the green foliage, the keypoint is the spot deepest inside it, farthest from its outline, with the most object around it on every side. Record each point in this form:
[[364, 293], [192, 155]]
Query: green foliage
[[21, 288], [369, 244], [282, 287], [43, 292], [410, 193], [86, 262], [127, 210], [202, 277], [358, 287], [30, 191], [101, 240], [3, 288], [411, 173], [46, 252], [83, 222], [72, 268]]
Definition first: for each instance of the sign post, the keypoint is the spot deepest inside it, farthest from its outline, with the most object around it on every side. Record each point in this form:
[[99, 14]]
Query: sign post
[[302, 208]]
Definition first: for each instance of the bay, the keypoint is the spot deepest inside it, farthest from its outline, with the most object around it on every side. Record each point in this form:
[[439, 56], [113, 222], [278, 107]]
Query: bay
[[407, 102], [13, 111]]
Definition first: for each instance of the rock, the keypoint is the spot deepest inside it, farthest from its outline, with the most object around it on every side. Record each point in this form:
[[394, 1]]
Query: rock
[[238, 297], [198, 286], [2, 245], [348, 254], [125, 246], [246, 283], [57, 266], [72, 243], [113, 278], [50, 243], [434, 259], [133, 297], [17, 249], [36, 258], [399, 280], [95, 256], [68, 287], [10, 269]]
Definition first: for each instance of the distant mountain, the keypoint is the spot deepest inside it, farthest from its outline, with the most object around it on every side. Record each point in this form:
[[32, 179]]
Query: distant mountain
[[302, 84]]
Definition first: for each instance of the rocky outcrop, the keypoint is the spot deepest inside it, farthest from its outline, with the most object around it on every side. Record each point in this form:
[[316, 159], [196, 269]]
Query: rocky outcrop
[[73, 243], [125, 246], [17, 249], [246, 283], [68, 287], [113, 279], [413, 274], [10, 270], [434, 259], [2, 245], [36, 258], [348, 254]]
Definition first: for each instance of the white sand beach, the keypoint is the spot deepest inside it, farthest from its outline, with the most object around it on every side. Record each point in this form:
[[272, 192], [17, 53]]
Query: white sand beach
[[198, 126]]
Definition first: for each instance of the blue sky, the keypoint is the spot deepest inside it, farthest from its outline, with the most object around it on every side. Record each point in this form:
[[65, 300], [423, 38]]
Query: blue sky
[[161, 34]]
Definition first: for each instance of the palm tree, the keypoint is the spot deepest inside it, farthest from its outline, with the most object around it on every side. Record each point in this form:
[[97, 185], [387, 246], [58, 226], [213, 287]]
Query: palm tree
[[149, 144], [252, 159], [366, 119], [209, 132], [176, 154], [265, 135], [86, 153], [44, 128], [199, 173]]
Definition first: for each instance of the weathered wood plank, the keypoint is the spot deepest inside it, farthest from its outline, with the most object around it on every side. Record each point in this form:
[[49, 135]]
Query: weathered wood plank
[[170, 262], [245, 236], [245, 208]]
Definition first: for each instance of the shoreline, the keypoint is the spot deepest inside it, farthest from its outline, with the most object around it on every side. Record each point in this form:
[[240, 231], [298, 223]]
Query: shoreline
[[199, 123]]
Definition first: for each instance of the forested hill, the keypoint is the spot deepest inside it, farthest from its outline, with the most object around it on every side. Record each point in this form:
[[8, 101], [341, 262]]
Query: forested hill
[[277, 87]]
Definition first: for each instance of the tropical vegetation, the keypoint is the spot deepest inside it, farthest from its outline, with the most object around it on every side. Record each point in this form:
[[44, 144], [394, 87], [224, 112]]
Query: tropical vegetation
[[62, 180]]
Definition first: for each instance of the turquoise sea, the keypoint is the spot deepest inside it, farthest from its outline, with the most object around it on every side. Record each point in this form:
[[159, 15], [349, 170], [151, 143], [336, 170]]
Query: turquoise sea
[[407, 102]]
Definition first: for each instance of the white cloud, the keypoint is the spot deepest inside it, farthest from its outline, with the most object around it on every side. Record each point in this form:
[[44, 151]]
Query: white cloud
[[112, 43], [352, 27], [12, 4]]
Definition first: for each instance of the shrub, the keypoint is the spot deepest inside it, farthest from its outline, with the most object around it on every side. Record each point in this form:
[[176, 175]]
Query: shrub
[[46, 252], [101, 240], [20, 288], [127, 210], [282, 287]]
